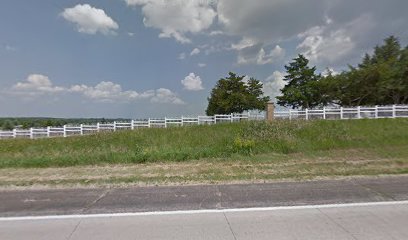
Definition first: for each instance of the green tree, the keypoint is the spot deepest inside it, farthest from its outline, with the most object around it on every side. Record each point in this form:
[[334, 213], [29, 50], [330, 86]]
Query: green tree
[[8, 125], [255, 95], [233, 95], [302, 90], [391, 62], [381, 78]]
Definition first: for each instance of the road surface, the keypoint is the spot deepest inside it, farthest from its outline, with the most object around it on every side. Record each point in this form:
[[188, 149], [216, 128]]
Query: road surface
[[348, 209], [382, 221]]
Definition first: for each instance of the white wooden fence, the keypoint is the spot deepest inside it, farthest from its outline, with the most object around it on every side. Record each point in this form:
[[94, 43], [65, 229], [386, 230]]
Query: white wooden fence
[[395, 111], [375, 112], [77, 130]]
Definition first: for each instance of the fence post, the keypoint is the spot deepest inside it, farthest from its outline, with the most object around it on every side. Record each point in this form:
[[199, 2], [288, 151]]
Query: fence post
[[376, 112], [307, 113], [132, 125], [98, 128], [48, 131], [31, 133], [290, 114], [14, 133], [324, 113], [65, 130], [165, 122], [341, 113], [359, 112], [232, 117], [149, 124], [82, 129], [394, 111], [114, 126], [270, 111]]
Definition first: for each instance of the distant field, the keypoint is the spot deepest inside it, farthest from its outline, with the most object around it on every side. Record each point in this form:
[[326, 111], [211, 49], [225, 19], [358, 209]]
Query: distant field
[[225, 152]]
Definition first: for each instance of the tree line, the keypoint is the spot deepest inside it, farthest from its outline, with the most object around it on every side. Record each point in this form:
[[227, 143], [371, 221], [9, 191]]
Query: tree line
[[380, 79]]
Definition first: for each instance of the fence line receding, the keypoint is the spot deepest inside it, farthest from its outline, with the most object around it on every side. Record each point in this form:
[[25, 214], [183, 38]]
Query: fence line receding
[[376, 112]]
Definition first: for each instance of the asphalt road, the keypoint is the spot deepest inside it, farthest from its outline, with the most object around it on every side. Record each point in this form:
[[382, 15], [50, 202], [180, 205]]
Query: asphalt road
[[148, 199], [212, 212]]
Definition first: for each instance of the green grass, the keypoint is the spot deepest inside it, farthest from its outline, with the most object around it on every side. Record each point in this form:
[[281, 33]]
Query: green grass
[[247, 140]]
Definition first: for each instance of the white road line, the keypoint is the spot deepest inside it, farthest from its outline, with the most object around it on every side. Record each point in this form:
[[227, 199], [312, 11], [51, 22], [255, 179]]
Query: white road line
[[189, 212]]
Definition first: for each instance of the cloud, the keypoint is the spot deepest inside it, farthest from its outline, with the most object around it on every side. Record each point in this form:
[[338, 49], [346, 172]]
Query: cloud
[[256, 54], [90, 20], [216, 33], [273, 84], [334, 32], [35, 84], [192, 83], [269, 21], [182, 56], [202, 65], [324, 43], [10, 48], [164, 95], [195, 51], [109, 92], [176, 18], [38, 85], [215, 47], [329, 71]]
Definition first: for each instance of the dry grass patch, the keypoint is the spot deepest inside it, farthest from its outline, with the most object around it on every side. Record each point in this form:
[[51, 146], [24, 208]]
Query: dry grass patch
[[260, 168]]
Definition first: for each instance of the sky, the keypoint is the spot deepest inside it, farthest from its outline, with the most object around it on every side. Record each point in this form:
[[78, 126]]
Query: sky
[[156, 58]]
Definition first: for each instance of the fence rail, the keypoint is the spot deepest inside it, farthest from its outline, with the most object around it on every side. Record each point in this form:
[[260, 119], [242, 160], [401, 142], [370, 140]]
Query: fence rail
[[376, 112], [77, 130]]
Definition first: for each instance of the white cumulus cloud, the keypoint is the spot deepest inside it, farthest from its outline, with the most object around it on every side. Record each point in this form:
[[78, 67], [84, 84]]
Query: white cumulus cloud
[[163, 95], [273, 84], [192, 83], [256, 54], [176, 18], [108, 92], [195, 51], [90, 20], [112, 92], [36, 84], [321, 44]]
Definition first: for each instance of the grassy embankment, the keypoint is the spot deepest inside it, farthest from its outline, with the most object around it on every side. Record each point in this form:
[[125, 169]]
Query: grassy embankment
[[248, 151]]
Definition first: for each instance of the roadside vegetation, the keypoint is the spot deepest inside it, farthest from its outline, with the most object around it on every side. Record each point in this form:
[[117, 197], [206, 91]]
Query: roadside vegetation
[[240, 152], [205, 142]]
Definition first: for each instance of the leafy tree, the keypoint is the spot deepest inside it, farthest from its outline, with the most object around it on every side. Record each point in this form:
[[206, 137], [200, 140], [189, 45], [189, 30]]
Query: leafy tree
[[381, 78], [302, 90], [255, 95], [8, 125], [233, 95]]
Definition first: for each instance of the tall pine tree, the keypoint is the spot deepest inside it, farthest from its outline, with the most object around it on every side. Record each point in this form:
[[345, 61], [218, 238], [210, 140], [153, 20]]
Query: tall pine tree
[[302, 90]]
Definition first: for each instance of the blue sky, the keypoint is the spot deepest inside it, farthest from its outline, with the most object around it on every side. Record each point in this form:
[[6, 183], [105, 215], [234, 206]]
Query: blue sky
[[155, 58]]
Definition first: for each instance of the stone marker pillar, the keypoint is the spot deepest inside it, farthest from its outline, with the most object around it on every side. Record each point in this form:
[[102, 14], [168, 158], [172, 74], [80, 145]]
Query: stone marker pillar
[[270, 111]]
